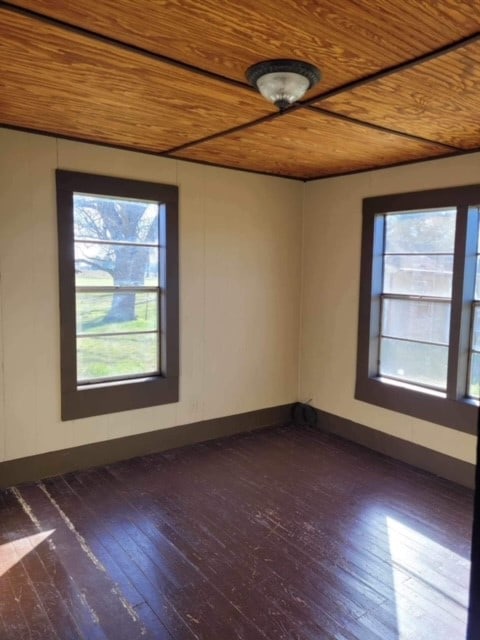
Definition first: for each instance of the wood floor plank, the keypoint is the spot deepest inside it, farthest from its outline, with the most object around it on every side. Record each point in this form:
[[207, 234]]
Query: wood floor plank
[[155, 554], [97, 589], [113, 551], [302, 596], [239, 579], [307, 562], [27, 542], [281, 534], [466, 572], [206, 565], [103, 546], [17, 570]]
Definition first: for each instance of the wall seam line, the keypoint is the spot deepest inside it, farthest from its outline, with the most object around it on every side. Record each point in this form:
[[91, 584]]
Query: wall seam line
[[301, 299]]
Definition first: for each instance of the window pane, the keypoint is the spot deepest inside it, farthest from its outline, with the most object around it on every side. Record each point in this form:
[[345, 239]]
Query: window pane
[[162, 226], [474, 387], [476, 329], [416, 320], [110, 356], [418, 275], [118, 219], [420, 231], [109, 312], [414, 362], [477, 280], [115, 265]]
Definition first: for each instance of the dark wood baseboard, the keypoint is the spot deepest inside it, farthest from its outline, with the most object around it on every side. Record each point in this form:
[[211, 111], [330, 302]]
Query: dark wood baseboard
[[421, 457], [54, 463]]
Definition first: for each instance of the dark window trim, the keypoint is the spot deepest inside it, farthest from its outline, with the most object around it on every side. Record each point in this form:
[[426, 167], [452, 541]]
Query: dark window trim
[[136, 393], [454, 411]]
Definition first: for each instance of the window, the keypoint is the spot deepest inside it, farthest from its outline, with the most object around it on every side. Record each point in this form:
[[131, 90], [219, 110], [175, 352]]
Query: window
[[474, 364], [419, 314], [118, 264], [416, 294]]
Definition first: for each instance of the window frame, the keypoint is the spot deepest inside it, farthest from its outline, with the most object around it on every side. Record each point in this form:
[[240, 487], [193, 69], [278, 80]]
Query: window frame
[[455, 410], [80, 401]]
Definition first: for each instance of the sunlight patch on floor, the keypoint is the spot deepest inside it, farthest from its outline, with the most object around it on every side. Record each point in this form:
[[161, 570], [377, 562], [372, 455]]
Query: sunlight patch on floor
[[430, 582], [15, 550]]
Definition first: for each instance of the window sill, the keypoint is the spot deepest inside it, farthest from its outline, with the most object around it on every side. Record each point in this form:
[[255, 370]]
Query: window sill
[[91, 400], [460, 414]]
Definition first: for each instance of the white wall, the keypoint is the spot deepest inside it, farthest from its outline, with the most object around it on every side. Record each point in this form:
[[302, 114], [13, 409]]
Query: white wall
[[331, 263], [240, 241], [240, 262]]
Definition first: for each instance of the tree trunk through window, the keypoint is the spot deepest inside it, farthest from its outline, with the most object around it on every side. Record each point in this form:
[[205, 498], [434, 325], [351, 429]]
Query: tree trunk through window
[[113, 221], [129, 270]]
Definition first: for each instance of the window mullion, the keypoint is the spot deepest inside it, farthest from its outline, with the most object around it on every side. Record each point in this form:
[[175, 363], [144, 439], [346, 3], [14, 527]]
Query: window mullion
[[463, 282], [415, 298], [116, 289]]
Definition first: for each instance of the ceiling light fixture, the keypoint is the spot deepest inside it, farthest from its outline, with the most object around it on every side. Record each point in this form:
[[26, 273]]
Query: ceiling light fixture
[[283, 82]]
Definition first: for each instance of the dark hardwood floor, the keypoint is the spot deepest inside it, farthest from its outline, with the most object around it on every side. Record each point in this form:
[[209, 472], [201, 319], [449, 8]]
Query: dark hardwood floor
[[284, 533]]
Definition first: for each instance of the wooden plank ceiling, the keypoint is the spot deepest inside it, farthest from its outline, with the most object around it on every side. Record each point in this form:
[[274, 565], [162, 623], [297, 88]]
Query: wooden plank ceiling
[[401, 79]]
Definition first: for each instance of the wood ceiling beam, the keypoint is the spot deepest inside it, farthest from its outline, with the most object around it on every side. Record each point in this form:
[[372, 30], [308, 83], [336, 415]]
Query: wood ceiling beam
[[403, 66], [307, 106], [310, 104], [226, 132], [378, 127], [157, 154], [378, 75], [403, 163], [123, 45], [166, 154]]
